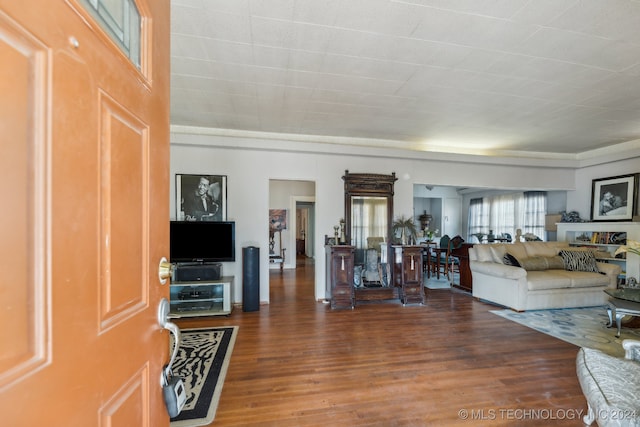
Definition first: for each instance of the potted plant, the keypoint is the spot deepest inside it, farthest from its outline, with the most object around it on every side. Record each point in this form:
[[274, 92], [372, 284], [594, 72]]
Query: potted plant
[[430, 234], [407, 228], [631, 246]]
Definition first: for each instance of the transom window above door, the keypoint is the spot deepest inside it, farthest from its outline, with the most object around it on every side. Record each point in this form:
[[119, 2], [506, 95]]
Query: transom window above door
[[120, 19]]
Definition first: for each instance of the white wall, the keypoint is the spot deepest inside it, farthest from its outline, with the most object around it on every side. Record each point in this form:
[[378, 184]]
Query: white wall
[[250, 163]]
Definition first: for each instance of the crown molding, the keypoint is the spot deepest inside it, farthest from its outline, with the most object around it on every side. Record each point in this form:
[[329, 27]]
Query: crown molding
[[320, 144]]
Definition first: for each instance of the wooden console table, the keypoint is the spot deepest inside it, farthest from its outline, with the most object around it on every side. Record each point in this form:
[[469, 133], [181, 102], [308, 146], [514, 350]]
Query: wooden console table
[[339, 276], [408, 273], [405, 284], [462, 253]]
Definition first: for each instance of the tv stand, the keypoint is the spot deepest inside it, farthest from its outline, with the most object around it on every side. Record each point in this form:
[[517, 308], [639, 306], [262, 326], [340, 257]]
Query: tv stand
[[201, 298]]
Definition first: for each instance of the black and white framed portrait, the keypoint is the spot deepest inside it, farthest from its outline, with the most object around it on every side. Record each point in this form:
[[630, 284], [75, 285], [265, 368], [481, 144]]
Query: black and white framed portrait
[[201, 197], [614, 198]]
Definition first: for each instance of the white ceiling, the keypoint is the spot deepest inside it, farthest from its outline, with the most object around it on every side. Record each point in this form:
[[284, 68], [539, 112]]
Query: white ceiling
[[470, 76]]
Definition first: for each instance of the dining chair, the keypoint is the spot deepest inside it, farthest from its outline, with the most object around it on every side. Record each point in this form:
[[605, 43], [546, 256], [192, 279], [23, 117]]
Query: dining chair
[[428, 258], [453, 262], [442, 256]]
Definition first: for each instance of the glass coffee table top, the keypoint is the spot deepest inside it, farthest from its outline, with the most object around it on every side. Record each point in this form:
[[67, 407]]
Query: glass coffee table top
[[624, 302], [627, 294]]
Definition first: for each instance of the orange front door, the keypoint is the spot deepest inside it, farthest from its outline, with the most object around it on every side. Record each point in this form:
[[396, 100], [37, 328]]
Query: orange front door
[[84, 218]]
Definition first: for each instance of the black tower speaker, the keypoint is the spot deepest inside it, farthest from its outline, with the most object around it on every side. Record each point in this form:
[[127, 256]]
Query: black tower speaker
[[250, 278]]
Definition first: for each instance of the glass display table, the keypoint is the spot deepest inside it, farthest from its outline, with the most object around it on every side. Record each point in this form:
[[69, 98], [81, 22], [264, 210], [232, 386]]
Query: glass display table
[[623, 302]]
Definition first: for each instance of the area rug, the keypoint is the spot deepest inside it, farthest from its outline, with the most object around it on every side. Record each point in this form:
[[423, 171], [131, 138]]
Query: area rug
[[584, 327], [202, 363], [442, 283], [438, 284]]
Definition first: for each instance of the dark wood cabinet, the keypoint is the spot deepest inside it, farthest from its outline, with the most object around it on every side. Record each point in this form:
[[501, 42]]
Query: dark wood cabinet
[[462, 253], [408, 273], [339, 276]]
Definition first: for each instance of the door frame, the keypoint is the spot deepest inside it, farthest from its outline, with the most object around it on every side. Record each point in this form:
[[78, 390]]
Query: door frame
[[293, 201]]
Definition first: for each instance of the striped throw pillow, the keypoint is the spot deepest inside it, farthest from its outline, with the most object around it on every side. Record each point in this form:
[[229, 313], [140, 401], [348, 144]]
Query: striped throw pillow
[[579, 261]]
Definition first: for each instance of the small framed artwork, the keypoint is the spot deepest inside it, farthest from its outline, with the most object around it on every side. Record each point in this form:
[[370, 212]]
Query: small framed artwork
[[614, 198], [277, 219], [201, 197]]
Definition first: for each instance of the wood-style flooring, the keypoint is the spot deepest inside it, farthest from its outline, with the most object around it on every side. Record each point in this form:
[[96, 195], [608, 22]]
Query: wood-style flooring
[[450, 362]]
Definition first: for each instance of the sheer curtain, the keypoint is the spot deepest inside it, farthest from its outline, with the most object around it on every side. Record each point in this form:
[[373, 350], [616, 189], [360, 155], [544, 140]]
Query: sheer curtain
[[478, 216], [368, 219], [505, 213], [535, 209]]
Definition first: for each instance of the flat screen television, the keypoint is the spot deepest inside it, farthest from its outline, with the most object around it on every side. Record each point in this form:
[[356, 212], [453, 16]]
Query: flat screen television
[[202, 241]]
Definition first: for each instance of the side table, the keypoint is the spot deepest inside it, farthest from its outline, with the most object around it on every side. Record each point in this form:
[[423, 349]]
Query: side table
[[623, 302]]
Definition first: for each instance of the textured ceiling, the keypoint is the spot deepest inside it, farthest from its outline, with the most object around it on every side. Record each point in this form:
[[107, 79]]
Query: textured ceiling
[[477, 76]]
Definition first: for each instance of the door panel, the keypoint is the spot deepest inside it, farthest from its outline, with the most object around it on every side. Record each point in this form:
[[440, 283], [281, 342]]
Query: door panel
[[411, 267], [124, 163], [86, 218], [453, 216], [24, 296]]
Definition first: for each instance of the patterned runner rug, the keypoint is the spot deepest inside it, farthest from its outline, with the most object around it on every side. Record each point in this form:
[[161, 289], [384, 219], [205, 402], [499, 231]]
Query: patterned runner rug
[[202, 363], [584, 327]]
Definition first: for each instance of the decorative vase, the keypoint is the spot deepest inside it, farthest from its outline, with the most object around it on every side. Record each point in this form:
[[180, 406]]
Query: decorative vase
[[425, 220]]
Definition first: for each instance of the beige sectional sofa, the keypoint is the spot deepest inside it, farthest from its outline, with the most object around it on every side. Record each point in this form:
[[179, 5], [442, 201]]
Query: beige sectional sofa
[[550, 275]]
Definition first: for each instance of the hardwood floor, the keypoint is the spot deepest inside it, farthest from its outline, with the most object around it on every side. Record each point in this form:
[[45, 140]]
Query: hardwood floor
[[450, 362]]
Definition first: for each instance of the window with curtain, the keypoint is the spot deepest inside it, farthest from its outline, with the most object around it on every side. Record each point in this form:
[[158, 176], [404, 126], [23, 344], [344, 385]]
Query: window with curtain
[[478, 216], [506, 213], [535, 210]]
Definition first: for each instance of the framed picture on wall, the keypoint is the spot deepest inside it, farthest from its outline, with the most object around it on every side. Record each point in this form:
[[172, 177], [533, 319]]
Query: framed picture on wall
[[277, 219], [201, 197], [614, 198]]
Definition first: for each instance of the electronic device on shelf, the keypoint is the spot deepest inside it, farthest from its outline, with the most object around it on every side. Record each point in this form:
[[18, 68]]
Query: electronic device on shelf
[[194, 293], [194, 307], [197, 271]]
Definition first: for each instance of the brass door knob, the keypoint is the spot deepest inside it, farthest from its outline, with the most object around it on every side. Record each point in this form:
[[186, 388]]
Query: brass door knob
[[165, 268]]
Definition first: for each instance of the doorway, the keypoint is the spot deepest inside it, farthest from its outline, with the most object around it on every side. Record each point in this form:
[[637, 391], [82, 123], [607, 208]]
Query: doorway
[[284, 196], [304, 226], [443, 204], [297, 199]]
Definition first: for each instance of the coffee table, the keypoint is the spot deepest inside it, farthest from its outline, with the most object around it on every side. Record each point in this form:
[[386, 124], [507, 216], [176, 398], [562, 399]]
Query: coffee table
[[623, 302]]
